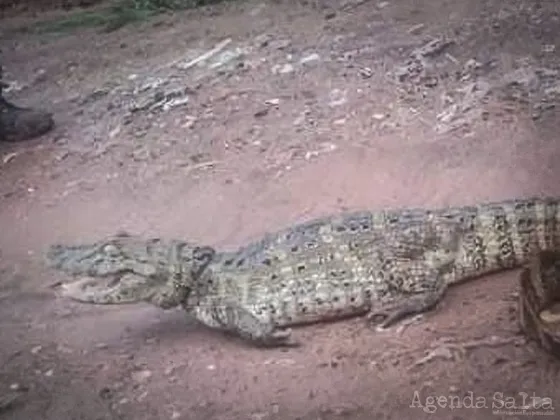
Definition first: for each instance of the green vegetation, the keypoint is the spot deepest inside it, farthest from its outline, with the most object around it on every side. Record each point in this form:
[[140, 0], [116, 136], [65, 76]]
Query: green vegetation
[[117, 15]]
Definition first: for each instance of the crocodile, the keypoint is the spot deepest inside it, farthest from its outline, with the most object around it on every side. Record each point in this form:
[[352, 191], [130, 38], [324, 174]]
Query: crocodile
[[387, 264]]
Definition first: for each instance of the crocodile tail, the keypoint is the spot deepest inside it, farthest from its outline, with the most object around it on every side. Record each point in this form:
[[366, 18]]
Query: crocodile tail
[[504, 235]]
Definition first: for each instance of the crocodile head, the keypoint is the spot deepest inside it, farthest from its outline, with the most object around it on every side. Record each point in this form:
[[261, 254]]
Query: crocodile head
[[129, 269]]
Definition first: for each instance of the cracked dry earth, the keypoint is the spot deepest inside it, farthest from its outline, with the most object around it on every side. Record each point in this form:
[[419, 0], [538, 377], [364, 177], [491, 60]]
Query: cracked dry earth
[[319, 108]]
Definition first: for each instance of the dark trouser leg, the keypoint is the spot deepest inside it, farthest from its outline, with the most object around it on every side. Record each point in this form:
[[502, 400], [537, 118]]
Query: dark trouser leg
[[20, 124]]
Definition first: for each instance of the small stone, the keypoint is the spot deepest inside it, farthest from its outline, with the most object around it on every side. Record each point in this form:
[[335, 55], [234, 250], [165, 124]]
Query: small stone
[[115, 131], [175, 415], [189, 123], [142, 396], [454, 389], [310, 58], [6, 159], [366, 72], [15, 387], [36, 349], [337, 98], [63, 349], [101, 346], [283, 69], [414, 30], [49, 373], [142, 375], [211, 367]]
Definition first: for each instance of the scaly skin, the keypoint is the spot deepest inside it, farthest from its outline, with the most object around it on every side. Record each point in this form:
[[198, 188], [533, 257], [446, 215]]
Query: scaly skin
[[389, 264], [135, 269]]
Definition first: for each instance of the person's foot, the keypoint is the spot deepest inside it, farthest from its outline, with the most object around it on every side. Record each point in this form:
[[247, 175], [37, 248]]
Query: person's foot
[[20, 124]]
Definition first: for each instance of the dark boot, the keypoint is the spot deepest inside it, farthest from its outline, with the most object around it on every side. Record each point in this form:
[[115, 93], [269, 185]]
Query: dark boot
[[20, 124]]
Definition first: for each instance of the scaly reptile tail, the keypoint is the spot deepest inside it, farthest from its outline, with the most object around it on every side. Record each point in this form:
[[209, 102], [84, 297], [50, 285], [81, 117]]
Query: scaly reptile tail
[[503, 235]]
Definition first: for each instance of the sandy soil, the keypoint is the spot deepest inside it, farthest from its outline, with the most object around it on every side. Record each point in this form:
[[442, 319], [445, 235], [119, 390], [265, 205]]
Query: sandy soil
[[313, 115]]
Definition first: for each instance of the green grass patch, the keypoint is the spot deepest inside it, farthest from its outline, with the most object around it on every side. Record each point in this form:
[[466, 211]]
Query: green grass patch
[[116, 16]]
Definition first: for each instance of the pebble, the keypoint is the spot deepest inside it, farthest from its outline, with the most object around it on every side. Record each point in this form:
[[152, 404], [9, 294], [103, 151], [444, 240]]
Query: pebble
[[283, 69], [142, 396], [310, 58], [142, 375]]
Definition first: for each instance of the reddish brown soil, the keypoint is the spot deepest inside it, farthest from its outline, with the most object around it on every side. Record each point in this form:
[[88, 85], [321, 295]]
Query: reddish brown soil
[[243, 168]]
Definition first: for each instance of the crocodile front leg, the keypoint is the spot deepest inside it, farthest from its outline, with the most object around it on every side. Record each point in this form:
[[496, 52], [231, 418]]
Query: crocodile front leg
[[241, 322]]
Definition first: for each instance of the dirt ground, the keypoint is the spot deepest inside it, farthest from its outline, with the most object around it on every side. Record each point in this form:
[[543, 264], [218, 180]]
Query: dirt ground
[[296, 111]]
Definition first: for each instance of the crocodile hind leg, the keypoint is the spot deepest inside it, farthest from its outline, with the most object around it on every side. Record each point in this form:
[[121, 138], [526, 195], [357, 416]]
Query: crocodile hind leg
[[243, 323], [406, 305], [416, 284]]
